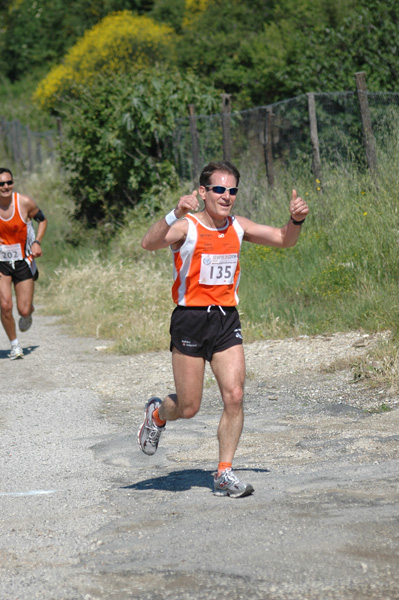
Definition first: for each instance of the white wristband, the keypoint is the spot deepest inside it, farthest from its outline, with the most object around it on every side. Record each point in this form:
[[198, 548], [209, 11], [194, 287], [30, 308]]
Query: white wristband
[[171, 218]]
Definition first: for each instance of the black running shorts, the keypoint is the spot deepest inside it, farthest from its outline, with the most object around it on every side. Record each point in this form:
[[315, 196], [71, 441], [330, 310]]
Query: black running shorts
[[19, 270], [202, 331]]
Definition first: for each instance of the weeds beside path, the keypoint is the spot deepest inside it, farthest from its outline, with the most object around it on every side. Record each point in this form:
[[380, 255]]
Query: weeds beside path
[[86, 515]]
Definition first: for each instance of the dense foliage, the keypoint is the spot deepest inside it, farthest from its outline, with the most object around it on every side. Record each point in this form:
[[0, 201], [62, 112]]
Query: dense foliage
[[114, 150], [282, 49], [260, 52], [41, 31], [119, 43], [115, 126]]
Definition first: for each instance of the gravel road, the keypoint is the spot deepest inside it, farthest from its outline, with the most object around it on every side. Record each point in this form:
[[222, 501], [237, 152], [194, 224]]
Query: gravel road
[[85, 515]]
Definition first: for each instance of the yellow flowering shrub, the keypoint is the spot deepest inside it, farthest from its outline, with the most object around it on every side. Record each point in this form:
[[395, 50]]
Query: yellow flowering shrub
[[192, 9], [14, 4], [120, 42], [52, 85]]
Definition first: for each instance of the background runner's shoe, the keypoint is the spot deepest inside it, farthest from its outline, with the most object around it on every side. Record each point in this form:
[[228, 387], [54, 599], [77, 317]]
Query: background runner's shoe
[[24, 323], [228, 484], [16, 352], [149, 433]]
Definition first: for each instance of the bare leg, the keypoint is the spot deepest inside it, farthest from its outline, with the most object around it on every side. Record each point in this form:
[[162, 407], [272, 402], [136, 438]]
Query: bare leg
[[24, 294], [7, 318], [229, 369], [188, 373]]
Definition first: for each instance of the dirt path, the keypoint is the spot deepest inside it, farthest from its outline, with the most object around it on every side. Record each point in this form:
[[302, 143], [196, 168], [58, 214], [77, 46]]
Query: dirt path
[[85, 515]]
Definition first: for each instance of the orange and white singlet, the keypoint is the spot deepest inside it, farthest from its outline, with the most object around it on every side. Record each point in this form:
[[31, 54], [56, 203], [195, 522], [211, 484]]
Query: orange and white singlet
[[207, 267], [15, 235]]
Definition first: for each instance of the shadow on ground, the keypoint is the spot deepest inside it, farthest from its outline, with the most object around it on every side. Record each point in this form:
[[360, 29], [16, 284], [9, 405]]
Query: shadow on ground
[[180, 481], [28, 350]]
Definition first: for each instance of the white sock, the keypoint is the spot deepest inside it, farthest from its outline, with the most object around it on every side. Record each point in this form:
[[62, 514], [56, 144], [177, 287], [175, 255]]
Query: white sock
[[15, 342]]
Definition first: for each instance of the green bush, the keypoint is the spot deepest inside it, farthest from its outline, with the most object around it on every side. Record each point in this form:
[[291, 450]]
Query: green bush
[[39, 33], [116, 145], [120, 43], [278, 50], [170, 12]]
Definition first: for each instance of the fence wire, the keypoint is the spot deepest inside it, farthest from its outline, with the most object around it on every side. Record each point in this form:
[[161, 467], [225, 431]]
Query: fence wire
[[26, 148], [339, 129], [266, 140]]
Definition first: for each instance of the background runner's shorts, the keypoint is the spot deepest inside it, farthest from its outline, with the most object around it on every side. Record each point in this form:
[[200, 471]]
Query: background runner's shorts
[[202, 331], [19, 272]]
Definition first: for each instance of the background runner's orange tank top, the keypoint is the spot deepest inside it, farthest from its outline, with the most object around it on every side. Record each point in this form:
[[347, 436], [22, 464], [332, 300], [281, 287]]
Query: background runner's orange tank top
[[14, 230], [207, 267]]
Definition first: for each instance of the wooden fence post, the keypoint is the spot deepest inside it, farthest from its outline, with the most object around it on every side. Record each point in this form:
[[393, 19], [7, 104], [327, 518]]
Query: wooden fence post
[[50, 146], [194, 144], [269, 146], [3, 133], [368, 135], [226, 113], [59, 129], [7, 140], [38, 149], [314, 138], [14, 142], [29, 143]]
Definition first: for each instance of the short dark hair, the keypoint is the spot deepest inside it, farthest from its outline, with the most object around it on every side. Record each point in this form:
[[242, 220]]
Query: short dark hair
[[4, 170], [212, 167]]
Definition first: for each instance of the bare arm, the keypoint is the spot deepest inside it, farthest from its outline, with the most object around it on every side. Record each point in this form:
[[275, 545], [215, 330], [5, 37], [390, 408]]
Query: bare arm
[[31, 208], [283, 237], [162, 235]]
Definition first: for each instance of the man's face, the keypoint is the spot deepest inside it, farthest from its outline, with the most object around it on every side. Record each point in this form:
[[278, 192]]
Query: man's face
[[219, 204], [6, 187]]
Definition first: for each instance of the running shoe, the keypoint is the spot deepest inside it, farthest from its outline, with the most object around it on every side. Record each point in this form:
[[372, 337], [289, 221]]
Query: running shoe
[[24, 323], [16, 352], [228, 484], [149, 433]]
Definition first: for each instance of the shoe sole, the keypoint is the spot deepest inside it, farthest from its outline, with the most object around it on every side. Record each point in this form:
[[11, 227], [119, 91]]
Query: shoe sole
[[150, 401], [247, 492], [27, 325], [16, 357]]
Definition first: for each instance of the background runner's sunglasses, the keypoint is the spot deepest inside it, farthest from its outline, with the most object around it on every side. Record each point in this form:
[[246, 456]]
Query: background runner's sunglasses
[[3, 183], [220, 189]]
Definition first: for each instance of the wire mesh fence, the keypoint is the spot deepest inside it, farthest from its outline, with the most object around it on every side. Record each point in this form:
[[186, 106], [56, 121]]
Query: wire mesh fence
[[26, 148], [310, 130], [314, 130]]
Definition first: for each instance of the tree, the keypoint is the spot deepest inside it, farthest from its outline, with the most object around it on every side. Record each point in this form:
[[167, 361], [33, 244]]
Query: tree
[[282, 49], [116, 146], [121, 42], [170, 12], [40, 32]]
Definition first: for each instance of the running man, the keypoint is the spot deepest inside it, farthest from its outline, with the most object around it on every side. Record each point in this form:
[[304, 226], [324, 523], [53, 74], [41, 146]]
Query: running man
[[205, 324], [19, 247]]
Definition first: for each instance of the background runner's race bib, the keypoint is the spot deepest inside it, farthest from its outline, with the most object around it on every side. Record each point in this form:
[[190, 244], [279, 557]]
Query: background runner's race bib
[[10, 252], [218, 269]]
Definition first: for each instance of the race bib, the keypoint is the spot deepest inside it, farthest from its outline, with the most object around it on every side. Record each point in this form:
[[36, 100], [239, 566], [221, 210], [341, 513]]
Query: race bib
[[218, 269], [10, 253]]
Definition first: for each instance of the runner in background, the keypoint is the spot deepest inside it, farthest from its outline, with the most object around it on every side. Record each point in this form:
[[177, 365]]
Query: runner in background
[[205, 324], [19, 247]]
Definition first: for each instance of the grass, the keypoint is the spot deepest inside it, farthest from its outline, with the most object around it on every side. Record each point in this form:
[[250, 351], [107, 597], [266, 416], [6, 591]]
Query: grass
[[107, 288], [378, 368], [341, 276], [381, 367], [382, 408]]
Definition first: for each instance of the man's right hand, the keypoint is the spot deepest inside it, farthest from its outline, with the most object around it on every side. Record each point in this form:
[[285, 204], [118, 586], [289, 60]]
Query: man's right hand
[[186, 204]]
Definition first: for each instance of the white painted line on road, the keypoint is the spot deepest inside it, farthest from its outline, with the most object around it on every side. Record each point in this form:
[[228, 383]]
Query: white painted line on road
[[29, 493]]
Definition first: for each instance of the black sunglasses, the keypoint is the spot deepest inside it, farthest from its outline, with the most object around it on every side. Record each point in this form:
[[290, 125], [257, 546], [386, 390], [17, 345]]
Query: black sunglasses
[[3, 183], [220, 189]]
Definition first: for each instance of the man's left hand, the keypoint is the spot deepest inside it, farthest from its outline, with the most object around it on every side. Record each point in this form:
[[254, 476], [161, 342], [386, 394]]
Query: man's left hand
[[298, 207]]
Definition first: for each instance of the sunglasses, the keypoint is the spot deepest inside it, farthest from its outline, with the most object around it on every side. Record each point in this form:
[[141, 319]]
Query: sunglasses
[[220, 189], [3, 183]]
